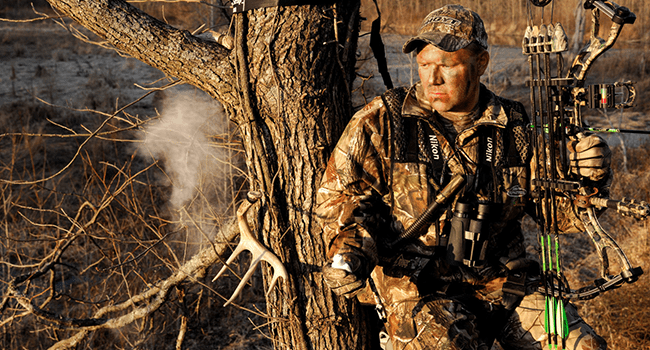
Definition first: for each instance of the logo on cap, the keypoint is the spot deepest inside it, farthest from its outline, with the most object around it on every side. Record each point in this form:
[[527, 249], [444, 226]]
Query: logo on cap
[[444, 20]]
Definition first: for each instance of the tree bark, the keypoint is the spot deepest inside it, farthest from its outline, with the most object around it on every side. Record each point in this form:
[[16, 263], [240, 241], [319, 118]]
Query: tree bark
[[300, 73], [287, 85]]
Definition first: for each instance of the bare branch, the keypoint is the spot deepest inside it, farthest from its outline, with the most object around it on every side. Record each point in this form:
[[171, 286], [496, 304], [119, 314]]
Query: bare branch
[[27, 20], [175, 52]]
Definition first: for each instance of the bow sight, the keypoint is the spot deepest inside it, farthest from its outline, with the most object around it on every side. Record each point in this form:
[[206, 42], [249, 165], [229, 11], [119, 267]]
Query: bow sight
[[556, 121], [544, 40]]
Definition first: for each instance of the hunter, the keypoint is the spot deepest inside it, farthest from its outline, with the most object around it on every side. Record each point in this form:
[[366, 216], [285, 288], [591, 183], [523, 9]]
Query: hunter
[[396, 155]]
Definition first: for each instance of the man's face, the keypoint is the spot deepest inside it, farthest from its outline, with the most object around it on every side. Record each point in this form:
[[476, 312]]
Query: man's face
[[451, 79]]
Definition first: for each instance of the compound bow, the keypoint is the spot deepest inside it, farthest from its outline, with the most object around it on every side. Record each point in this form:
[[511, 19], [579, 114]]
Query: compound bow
[[557, 121]]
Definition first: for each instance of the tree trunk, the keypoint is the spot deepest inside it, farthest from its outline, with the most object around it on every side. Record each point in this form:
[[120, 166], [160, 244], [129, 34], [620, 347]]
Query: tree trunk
[[287, 85], [300, 73]]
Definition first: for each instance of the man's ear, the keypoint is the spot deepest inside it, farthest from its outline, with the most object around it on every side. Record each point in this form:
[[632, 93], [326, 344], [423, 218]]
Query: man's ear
[[482, 62]]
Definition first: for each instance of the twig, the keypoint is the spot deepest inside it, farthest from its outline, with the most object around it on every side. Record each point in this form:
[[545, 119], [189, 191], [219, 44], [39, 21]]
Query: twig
[[181, 333], [42, 17], [141, 254]]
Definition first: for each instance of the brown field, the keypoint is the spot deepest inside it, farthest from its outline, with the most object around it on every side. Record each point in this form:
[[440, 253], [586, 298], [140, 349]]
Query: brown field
[[114, 192]]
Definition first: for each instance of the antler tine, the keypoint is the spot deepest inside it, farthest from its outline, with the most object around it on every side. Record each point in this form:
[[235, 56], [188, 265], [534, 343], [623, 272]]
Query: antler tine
[[258, 251]]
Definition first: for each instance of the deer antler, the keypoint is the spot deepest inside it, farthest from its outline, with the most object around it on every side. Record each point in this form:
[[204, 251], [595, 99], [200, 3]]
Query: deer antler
[[258, 251]]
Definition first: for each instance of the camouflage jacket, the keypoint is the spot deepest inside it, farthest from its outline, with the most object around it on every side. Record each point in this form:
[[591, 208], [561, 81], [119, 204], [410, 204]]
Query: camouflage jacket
[[375, 185]]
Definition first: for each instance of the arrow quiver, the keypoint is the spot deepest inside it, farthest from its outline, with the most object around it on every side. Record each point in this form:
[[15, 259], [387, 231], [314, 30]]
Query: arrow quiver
[[557, 95]]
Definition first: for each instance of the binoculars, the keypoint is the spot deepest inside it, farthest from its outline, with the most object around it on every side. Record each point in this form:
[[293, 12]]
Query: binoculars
[[469, 234]]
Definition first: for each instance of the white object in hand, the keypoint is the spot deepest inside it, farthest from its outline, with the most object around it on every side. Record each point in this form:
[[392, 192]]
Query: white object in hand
[[339, 263]]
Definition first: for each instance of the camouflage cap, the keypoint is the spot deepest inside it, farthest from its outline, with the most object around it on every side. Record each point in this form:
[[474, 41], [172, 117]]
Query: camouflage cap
[[450, 28]]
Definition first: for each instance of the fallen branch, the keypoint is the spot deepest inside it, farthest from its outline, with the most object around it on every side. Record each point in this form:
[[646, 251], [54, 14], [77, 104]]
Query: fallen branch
[[145, 303]]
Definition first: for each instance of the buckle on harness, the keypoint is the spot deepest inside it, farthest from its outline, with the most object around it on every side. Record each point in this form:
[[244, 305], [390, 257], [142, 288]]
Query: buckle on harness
[[514, 289]]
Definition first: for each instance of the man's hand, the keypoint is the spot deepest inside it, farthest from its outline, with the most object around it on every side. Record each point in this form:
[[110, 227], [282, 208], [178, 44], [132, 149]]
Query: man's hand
[[590, 157], [345, 274]]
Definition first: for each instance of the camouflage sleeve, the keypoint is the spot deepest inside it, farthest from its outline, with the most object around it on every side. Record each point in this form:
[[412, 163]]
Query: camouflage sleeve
[[349, 200], [568, 220]]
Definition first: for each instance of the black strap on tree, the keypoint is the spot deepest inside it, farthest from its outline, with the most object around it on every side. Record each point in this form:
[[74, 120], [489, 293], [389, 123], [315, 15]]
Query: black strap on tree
[[378, 50]]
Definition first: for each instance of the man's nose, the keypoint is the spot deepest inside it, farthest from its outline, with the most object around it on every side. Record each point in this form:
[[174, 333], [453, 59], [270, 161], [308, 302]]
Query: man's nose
[[435, 78]]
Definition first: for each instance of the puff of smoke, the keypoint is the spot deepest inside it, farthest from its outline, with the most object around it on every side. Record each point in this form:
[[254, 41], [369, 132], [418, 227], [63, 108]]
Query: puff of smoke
[[197, 168]]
